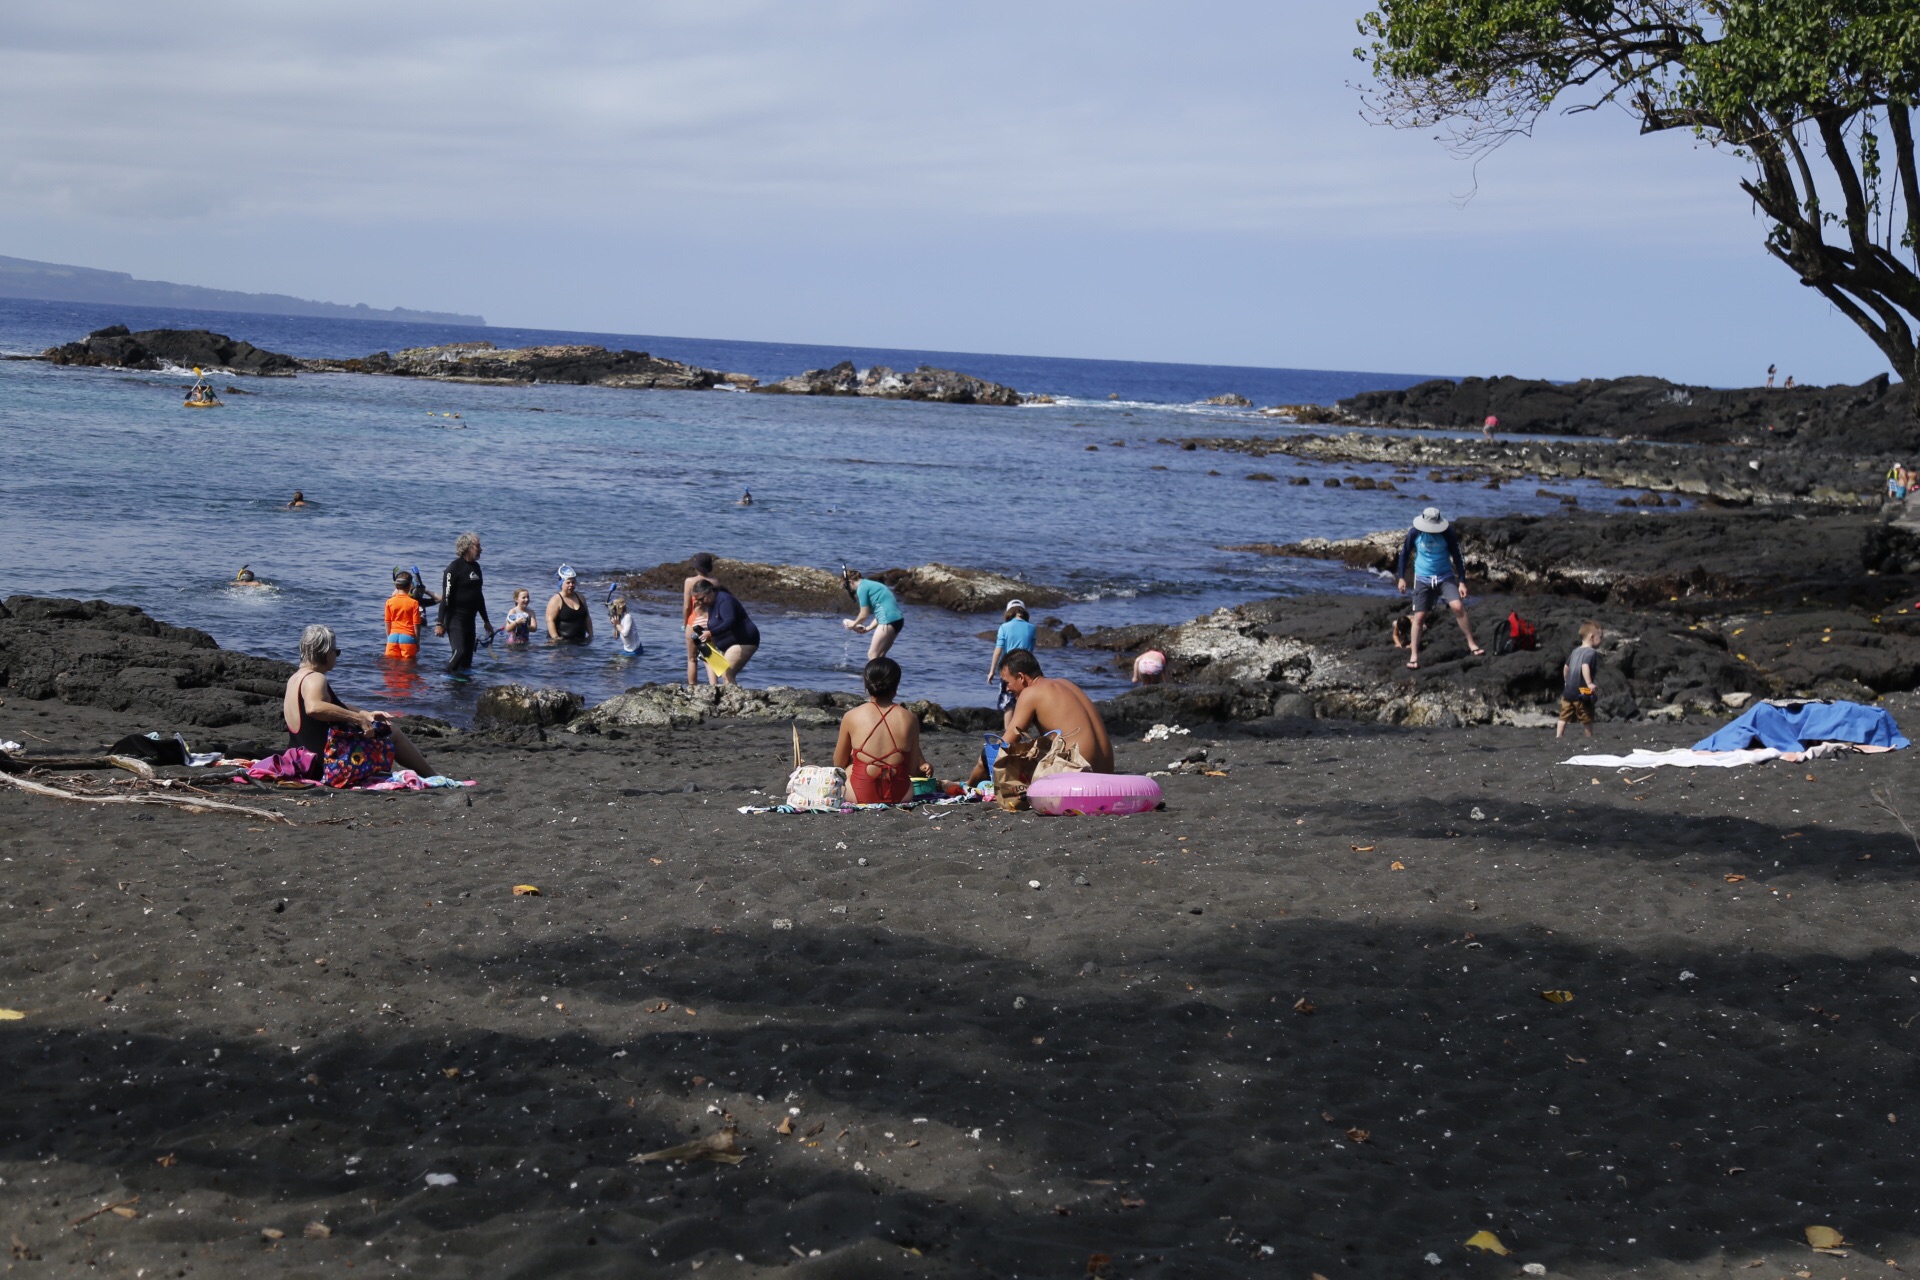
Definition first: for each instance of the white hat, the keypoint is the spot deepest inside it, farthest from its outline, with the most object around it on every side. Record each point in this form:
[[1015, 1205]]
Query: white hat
[[1015, 604], [1430, 521]]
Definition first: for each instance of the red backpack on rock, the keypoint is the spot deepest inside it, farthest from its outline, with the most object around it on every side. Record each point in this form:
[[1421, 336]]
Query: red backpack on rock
[[1515, 633]]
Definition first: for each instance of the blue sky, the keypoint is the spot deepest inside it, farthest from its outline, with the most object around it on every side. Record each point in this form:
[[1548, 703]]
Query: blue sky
[[1114, 179]]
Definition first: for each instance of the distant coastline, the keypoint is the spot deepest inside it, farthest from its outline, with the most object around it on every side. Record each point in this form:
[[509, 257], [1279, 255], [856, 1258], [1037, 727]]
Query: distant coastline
[[56, 282]]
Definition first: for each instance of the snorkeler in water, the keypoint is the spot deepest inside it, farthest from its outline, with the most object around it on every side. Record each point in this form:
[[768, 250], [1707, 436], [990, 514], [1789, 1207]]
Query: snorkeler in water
[[245, 578], [299, 500]]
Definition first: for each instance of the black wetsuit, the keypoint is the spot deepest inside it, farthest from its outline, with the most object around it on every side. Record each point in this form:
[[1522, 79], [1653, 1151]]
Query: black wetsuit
[[461, 599]]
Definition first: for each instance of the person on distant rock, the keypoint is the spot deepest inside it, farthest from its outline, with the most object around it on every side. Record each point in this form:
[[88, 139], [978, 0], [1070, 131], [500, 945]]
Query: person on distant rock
[[879, 743], [879, 612], [1045, 704], [727, 628], [694, 614], [310, 707], [1487, 428], [1432, 567], [1789, 383], [403, 620], [298, 500], [568, 619], [1016, 632], [1770, 370], [1150, 667], [463, 598]]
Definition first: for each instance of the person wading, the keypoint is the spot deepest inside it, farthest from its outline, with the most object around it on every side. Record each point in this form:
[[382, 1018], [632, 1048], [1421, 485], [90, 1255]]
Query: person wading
[[462, 599]]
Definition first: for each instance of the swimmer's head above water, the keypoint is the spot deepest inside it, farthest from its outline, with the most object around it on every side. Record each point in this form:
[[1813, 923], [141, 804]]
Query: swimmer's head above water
[[245, 575]]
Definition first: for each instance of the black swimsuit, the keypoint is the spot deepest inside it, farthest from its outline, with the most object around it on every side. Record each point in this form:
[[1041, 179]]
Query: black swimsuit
[[312, 734], [571, 622]]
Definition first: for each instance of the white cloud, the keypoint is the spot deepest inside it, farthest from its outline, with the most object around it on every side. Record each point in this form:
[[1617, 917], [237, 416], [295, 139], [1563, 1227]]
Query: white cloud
[[1120, 115]]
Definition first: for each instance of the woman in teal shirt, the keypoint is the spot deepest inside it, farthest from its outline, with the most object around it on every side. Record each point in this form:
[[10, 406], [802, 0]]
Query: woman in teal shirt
[[879, 612]]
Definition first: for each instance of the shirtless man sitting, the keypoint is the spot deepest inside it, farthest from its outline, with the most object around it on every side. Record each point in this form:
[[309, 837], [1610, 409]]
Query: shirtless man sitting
[[1049, 703]]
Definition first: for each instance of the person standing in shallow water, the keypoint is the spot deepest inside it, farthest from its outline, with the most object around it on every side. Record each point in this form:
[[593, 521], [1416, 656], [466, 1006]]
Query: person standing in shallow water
[[1432, 566], [568, 619], [462, 599]]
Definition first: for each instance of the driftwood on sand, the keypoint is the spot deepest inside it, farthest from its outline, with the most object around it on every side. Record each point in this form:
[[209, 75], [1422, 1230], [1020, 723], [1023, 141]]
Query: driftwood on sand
[[194, 803]]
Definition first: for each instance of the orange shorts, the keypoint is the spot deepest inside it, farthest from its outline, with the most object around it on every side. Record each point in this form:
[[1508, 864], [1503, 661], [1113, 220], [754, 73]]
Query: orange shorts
[[407, 651]]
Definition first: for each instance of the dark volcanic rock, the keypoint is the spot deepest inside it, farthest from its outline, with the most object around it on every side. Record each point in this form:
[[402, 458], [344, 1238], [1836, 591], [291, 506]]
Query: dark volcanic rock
[[567, 365], [1189, 705], [115, 347], [1762, 556], [1874, 417], [880, 382], [1337, 651], [518, 705], [91, 653]]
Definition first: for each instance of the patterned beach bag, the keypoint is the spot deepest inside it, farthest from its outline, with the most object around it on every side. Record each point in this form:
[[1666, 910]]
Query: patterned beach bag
[[353, 759], [812, 786]]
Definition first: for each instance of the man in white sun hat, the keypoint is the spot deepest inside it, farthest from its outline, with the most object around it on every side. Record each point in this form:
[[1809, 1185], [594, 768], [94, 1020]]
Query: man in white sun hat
[[1431, 564]]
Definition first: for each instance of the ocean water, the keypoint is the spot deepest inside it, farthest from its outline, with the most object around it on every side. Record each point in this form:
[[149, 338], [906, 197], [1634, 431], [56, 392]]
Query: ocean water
[[109, 489]]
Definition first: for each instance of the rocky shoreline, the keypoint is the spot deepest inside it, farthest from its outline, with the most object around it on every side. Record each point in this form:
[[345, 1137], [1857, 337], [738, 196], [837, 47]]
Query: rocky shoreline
[[1873, 417], [1738, 475], [1704, 611]]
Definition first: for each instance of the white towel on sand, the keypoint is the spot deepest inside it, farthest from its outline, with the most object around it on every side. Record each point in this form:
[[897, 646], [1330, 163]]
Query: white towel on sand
[[1681, 757]]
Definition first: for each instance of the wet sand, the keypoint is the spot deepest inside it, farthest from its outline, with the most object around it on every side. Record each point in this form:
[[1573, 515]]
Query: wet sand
[[233, 1028]]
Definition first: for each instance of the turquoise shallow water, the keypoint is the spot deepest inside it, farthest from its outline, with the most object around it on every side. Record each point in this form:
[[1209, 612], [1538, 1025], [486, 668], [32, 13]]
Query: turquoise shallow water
[[109, 489]]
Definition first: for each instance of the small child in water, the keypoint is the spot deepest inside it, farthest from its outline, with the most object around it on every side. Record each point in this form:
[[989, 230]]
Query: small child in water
[[625, 627], [403, 620], [520, 618]]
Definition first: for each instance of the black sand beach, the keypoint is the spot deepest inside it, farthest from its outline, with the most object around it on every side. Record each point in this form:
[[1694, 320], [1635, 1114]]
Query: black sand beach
[[1291, 1024]]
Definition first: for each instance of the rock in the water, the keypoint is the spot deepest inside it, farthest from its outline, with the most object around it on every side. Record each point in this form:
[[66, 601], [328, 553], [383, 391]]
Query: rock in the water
[[966, 590], [1229, 400], [91, 653], [516, 704], [802, 587], [791, 586], [923, 383], [574, 365], [115, 347]]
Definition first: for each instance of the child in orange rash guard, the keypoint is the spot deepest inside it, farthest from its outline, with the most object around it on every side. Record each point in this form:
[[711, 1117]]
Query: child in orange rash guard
[[403, 619]]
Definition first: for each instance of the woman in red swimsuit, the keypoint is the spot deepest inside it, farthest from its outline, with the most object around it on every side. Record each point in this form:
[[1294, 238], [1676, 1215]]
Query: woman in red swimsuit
[[879, 744]]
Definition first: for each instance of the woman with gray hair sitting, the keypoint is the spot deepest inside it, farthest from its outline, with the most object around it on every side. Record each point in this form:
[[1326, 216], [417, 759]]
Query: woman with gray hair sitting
[[311, 707]]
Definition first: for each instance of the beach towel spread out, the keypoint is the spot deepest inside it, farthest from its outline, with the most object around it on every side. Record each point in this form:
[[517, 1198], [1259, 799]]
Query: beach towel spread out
[[1681, 757], [1796, 726], [970, 797]]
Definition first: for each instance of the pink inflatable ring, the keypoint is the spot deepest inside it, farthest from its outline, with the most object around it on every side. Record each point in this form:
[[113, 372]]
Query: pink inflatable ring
[[1118, 794]]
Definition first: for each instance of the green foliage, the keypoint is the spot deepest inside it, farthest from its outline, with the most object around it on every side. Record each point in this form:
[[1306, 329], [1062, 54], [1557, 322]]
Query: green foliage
[[1781, 82]]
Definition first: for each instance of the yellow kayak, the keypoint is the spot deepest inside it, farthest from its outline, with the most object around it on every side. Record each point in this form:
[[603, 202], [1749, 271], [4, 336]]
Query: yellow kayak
[[203, 404]]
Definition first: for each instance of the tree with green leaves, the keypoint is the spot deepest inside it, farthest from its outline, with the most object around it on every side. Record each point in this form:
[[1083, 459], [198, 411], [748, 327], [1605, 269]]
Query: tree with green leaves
[[1818, 95]]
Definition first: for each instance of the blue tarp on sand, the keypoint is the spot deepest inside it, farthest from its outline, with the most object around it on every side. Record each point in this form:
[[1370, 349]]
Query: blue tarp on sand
[[1797, 727]]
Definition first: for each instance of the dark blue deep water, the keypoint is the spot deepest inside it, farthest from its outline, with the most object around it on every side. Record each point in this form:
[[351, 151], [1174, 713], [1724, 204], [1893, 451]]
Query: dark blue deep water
[[109, 489]]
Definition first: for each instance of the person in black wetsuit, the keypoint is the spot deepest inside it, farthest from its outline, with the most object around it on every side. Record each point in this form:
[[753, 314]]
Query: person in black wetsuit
[[568, 620], [728, 627], [310, 707], [461, 600]]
